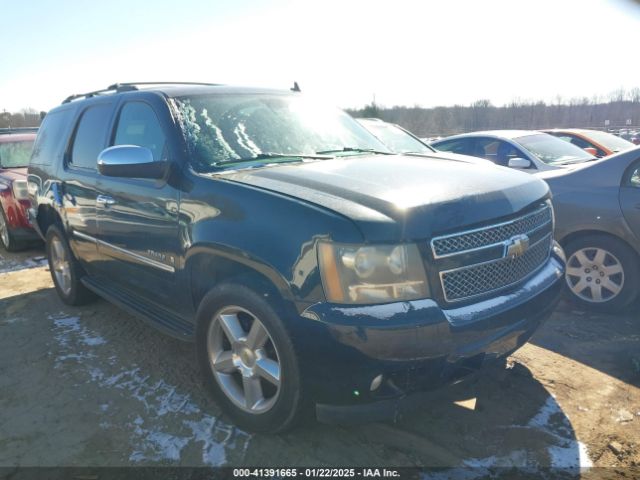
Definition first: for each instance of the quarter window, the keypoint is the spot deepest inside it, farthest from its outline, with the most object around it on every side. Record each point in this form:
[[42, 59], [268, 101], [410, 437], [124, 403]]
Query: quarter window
[[90, 136], [634, 181], [139, 125], [50, 136]]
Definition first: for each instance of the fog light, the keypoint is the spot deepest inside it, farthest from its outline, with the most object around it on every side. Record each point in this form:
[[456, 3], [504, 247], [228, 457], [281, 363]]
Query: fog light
[[376, 382]]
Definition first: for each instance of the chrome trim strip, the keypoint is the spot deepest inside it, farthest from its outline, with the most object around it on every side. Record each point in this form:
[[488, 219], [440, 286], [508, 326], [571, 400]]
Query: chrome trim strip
[[135, 256], [548, 238], [84, 236], [481, 229]]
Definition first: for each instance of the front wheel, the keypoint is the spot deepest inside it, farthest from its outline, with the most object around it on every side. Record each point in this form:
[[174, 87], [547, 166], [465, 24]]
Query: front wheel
[[7, 239], [247, 359], [602, 273]]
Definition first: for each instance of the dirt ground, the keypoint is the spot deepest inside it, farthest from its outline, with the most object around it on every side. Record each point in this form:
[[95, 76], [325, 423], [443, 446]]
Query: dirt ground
[[93, 386]]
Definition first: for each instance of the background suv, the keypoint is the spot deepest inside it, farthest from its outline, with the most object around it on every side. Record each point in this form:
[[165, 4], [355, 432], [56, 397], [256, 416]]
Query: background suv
[[312, 268], [15, 149]]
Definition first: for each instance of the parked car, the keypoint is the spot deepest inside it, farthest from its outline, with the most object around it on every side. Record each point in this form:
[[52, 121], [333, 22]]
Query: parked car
[[602, 143], [311, 267], [597, 209], [400, 140], [526, 150], [15, 149]]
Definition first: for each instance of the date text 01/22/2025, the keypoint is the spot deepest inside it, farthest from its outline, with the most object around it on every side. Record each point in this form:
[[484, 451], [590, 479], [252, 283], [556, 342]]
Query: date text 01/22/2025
[[316, 472]]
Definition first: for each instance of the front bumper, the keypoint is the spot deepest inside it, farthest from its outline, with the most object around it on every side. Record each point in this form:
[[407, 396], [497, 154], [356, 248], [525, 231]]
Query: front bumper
[[416, 346]]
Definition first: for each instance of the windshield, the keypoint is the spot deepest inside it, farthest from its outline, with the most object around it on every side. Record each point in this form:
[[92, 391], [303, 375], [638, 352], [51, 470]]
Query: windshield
[[613, 143], [223, 130], [396, 139], [552, 150], [15, 154]]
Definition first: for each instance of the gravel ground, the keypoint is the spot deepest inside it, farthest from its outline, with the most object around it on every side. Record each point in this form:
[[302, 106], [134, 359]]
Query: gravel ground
[[93, 386]]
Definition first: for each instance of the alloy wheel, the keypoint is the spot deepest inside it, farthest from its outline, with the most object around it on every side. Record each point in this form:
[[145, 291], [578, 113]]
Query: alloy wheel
[[244, 360], [60, 265], [4, 231], [595, 275]]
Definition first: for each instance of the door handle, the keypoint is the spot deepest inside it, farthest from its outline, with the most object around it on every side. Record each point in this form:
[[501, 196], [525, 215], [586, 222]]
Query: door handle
[[105, 200]]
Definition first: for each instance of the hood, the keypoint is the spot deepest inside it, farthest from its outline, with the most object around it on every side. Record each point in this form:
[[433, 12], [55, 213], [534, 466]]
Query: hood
[[19, 173], [397, 197]]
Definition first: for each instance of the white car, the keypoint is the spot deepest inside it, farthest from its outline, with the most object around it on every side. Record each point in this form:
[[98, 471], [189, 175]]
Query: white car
[[527, 150]]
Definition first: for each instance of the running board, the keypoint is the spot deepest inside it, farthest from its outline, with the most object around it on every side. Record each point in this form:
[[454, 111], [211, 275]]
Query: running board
[[155, 315]]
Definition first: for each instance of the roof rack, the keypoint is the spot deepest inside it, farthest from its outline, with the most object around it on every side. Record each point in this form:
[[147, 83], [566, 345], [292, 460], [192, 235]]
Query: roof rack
[[127, 87]]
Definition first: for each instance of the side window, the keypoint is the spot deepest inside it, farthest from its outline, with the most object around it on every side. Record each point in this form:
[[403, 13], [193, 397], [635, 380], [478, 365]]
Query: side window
[[634, 179], [139, 125], [498, 151], [455, 146], [50, 137], [90, 136]]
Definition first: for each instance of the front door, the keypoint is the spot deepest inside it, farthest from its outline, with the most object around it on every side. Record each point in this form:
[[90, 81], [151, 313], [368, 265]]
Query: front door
[[630, 198], [138, 218]]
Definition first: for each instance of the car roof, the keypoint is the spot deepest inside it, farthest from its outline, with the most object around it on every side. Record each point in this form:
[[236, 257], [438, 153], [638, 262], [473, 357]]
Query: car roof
[[583, 131], [174, 89], [508, 134]]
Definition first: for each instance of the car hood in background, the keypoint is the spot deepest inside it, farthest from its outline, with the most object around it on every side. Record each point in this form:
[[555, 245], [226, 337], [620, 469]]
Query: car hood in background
[[401, 197], [14, 173]]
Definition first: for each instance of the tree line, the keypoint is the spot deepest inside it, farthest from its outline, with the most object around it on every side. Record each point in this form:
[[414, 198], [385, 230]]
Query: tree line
[[27, 117], [620, 109]]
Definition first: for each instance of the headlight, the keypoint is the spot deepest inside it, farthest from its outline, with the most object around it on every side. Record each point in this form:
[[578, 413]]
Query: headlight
[[371, 274], [20, 190]]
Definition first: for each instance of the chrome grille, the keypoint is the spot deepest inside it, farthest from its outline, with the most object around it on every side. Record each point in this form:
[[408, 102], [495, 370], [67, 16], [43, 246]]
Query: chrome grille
[[484, 237], [474, 280]]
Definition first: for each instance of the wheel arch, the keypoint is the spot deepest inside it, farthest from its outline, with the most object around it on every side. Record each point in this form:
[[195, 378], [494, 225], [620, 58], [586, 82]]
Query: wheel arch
[[209, 265], [45, 217], [567, 239]]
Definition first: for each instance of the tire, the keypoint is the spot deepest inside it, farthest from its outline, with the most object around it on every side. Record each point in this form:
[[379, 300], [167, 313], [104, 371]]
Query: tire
[[605, 264], [66, 272], [7, 239], [281, 405]]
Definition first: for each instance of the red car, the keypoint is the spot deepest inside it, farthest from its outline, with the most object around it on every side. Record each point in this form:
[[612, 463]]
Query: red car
[[15, 151]]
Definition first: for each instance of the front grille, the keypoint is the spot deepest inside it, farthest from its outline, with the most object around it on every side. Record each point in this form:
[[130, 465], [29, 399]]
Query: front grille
[[483, 237], [474, 280]]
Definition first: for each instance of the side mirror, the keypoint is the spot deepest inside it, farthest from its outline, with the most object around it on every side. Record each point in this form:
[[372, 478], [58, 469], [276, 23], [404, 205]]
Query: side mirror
[[519, 163], [130, 161]]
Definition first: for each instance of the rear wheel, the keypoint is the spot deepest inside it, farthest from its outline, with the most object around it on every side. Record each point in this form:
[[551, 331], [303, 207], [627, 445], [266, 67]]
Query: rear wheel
[[247, 359], [8, 241], [602, 273], [66, 272]]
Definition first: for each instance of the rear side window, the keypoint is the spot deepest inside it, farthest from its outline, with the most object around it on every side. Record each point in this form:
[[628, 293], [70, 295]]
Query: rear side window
[[90, 136], [51, 137], [139, 125]]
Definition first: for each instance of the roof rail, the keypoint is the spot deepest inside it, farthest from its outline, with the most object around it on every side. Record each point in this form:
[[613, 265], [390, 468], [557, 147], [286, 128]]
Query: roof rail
[[127, 87]]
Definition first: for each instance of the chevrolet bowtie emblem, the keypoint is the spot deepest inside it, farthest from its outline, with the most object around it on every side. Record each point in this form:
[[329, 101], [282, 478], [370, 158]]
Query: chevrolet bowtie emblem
[[516, 246]]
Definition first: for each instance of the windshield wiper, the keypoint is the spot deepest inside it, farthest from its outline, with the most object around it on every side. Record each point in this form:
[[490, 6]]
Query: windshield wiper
[[355, 149], [279, 157]]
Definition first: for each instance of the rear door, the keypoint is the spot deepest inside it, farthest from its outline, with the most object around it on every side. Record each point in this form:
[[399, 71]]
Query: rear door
[[79, 179], [138, 218], [630, 197]]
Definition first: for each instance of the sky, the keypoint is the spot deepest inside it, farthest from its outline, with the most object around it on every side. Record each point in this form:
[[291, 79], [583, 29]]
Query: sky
[[398, 52]]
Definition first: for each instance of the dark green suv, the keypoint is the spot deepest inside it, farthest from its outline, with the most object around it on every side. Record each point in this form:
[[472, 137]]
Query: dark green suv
[[313, 269]]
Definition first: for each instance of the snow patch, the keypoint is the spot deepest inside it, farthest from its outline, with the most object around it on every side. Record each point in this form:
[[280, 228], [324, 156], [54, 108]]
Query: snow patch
[[564, 451], [7, 265], [170, 421]]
